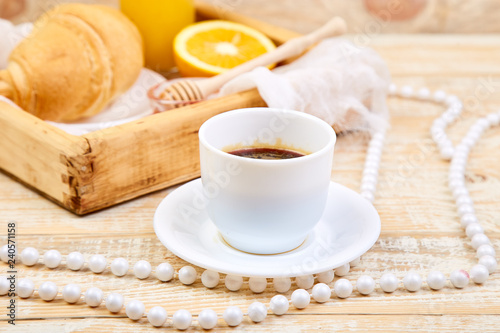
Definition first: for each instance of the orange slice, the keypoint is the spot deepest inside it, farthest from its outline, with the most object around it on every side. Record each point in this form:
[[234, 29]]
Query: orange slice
[[212, 47]]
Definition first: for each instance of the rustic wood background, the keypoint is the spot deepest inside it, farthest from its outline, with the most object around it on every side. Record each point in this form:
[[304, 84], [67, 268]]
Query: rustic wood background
[[392, 16], [420, 228]]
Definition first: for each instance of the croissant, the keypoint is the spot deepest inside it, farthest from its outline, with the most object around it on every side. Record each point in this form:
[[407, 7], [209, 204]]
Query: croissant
[[77, 59]]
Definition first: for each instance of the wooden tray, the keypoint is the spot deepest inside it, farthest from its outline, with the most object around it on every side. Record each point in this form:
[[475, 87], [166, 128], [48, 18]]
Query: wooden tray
[[97, 170]]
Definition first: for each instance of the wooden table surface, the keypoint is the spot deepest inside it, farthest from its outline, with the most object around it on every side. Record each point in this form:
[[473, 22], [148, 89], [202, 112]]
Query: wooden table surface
[[420, 227]]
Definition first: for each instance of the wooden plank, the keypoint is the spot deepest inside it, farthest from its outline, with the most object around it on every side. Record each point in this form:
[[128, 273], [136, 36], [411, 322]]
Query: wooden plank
[[39, 154], [303, 322]]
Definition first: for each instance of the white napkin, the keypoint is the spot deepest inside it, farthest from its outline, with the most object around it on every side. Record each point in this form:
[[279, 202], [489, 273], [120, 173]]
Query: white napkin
[[343, 84]]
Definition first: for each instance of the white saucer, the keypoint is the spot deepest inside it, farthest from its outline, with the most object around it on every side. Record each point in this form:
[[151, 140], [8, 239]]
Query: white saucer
[[349, 227]]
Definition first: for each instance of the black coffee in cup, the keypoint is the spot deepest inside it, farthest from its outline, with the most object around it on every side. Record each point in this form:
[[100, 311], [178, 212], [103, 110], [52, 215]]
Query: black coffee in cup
[[266, 153]]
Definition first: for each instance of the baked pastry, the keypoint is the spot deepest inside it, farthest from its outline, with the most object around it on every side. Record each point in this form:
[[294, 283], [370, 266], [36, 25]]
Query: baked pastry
[[77, 59]]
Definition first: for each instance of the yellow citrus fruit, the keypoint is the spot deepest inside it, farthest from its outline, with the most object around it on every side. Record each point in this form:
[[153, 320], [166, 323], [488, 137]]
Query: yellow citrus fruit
[[212, 47]]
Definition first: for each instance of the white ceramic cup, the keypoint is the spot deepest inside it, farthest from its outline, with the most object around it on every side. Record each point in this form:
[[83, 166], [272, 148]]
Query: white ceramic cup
[[265, 206]]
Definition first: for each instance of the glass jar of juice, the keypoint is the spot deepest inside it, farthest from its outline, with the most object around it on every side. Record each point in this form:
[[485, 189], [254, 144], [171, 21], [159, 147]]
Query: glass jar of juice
[[159, 21]]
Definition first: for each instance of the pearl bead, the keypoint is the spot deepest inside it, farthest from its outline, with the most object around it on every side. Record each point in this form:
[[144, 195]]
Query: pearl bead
[[392, 89], [368, 187], [233, 316], [210, 279], [135, 309], [455, 184], [279, 305], [321, 292], [75, 261], [370, 178], [438, 135], [25, 288], [119, 266], [468, 142], [300, 298], [412, 281], [257, 312], [207, 319], [370, 172], [374, 152], [282, 284], [468, 219], [4, 253], [71, 293], [379, 136], [4, 285], [305, 281], [423, 93], [451, 100], [257, 284], [474, 229], [449, 116], [473, 135], [494, 119], [479, 274], [439, 96], [484, 250], [465, 209], [30, 256], [369, 164], [182, 319], [489, 262], [114, 302], [483, 123], [389, 282], [326, 277], [459, 278], [47, 291], [376, 143], [142, 269], [342, 288], [436, 280], [342, 270], [164, 272], [93, 297], [368, 196], [365, 284], [233, 282], [478, 240], [447, 152], [355, 262], [52, 258], [460, 191], [406, 91], [157, 316], [464, 200], [97, 263], [187, 275]]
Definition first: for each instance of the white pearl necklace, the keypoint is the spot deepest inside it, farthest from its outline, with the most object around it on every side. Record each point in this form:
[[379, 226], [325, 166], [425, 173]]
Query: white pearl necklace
[[300, 298]]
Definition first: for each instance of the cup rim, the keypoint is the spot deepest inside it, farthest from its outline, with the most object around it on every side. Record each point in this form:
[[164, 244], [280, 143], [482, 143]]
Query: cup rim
[[330, 144]]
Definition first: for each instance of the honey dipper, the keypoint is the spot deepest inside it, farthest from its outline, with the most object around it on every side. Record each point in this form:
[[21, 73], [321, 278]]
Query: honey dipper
[[195, 90]]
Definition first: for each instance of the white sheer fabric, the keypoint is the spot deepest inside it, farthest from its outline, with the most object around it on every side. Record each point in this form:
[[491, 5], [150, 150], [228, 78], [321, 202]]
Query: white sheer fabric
[[341, 83]]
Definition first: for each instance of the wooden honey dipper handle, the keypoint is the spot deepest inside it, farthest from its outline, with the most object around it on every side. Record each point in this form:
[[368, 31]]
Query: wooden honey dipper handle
[[334, 27]]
